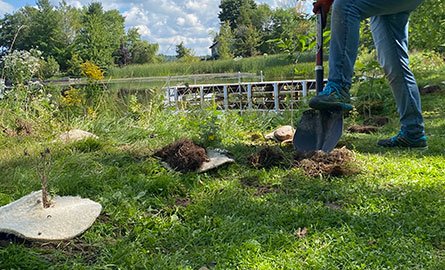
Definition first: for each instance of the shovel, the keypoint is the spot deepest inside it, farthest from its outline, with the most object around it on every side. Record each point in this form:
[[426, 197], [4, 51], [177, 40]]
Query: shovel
[[318, 129]]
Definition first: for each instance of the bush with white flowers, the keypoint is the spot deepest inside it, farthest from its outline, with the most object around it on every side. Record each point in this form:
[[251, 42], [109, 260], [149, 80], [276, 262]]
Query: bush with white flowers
[[21, 66]]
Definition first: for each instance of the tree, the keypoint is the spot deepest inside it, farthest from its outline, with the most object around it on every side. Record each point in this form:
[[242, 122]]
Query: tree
[[100, 35], [143, 52], [247, 41], [428, 18], [182, 51], [232, 9], [225, 41]]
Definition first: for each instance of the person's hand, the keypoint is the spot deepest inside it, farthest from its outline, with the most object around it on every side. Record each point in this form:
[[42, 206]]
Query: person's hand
[[323, 7]]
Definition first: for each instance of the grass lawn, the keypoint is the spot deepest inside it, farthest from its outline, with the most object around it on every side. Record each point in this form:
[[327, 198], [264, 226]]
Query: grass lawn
[[389, 216]]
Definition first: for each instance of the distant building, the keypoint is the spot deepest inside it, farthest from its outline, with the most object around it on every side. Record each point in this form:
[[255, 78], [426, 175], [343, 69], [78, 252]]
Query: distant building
[[215, 50]]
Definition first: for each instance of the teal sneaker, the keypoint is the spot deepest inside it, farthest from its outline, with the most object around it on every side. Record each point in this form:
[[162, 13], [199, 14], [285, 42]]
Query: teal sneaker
[[400, 140], [333, 97]]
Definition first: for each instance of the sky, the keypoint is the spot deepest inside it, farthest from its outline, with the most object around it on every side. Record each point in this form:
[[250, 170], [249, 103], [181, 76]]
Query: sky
[[166, 22]]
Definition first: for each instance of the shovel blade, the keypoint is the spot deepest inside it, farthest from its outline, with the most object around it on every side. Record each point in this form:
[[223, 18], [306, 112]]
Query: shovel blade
[[318, 130]]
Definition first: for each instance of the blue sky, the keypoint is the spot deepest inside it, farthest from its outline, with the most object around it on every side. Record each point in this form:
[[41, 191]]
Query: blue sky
[[166, 22]]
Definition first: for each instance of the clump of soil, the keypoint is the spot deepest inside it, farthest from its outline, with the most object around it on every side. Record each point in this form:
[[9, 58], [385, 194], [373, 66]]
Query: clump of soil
[[266, 158], [429, 89], [363, 129], [339, 162], [183, 155], [378, 121]]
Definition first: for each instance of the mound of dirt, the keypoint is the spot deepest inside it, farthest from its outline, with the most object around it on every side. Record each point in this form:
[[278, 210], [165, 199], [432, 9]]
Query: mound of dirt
[[339, 162], [266, 158], [183, 155], [429, 89], [363, 129]]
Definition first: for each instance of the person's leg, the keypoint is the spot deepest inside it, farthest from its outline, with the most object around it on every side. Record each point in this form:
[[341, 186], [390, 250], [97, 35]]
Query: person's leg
[[345, 27], [390, 33]]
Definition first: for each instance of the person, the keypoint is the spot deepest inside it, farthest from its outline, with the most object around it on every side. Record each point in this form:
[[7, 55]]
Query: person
[[389, 27]]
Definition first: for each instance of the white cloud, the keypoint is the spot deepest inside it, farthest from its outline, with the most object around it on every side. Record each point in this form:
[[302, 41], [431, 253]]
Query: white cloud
[[5, 8], [168, 22]]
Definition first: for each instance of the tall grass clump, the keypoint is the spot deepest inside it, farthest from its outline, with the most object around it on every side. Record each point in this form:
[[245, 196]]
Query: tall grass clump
[[273, 67]]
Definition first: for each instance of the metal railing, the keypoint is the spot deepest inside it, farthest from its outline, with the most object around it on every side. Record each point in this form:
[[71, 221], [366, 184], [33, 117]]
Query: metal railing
[[261, 96]]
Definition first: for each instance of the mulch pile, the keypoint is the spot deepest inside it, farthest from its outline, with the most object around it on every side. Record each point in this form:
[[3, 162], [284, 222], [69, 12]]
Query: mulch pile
[[339, 162], [183, 155], [266, 158]]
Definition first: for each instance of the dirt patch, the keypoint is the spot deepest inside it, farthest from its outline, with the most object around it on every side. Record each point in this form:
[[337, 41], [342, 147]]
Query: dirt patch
[[266, 158], [339, 162], [183, 202], [183, 155], [253, 182], [378, 121], [21, 128], [363, 129], [429, 89]]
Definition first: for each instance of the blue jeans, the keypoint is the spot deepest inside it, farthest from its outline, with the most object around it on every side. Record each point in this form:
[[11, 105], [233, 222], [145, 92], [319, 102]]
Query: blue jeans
[[389, 26]]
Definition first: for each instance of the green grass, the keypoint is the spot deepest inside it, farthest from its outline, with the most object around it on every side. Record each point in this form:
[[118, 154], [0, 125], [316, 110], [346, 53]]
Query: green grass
[[274, 67], [390, 216]]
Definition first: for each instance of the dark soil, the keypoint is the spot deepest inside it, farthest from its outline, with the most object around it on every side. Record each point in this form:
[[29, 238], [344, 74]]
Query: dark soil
[[339, 162], [253, 182], [429, 89], [378, 121], [183, 155], [363, 129], [266, 158]]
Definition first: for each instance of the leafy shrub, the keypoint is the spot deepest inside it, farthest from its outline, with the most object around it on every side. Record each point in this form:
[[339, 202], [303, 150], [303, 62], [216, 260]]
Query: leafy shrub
[[92, 71], [426, 61], [21, 66], [48, 68], [370, 89]]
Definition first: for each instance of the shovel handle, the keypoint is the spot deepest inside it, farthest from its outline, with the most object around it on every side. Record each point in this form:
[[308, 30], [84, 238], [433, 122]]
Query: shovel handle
[[319, 70]]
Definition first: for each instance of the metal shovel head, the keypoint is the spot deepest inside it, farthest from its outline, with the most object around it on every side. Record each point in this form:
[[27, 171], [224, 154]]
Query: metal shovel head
[[318, 130]]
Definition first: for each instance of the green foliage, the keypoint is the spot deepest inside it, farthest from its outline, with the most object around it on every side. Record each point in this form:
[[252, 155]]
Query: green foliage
[[427, 26], [371, 90], [426, 61], [225, 42], [231, 11], [20, 66], [49, 68], [274, 67], [88, 145], [100, 35], [143, 52], [182, 51]]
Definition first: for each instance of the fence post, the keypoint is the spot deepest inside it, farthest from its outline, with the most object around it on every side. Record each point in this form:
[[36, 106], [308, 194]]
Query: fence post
[[261, 76], [226, 98], [201, 95], [249, 96], [304, 89], [276, 97], [176, 97]]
